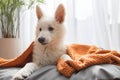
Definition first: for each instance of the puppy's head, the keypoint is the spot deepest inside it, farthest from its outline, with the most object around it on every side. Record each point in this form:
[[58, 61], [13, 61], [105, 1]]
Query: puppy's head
[[50, 30]]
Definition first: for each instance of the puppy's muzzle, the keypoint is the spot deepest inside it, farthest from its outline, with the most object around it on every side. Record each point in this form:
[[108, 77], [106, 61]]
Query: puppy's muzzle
[[42, 40]]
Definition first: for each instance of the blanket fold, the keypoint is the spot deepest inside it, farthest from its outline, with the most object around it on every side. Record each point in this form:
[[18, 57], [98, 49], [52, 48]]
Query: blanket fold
[[19, 61], [82, 56]]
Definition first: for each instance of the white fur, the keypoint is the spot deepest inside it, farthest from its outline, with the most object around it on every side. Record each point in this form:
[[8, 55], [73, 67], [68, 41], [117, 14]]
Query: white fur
[[65, 57], [49, 53]]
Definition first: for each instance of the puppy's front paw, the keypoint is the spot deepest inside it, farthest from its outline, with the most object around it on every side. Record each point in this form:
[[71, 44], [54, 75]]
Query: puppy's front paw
[[20, 76], [65, 57]]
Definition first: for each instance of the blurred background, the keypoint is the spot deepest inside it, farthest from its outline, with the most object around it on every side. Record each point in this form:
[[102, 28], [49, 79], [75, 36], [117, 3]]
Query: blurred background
[[93, 22]]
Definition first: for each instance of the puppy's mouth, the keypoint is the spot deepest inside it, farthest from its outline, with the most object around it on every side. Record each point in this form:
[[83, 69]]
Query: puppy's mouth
[[44, 43]]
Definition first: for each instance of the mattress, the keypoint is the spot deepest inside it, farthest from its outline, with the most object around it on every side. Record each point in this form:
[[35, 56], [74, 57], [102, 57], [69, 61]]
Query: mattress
[[96, 72]]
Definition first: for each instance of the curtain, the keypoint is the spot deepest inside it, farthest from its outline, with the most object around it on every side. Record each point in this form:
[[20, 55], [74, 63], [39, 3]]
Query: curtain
[[98, 23], [94, 29], [115, 24], [94, 22]]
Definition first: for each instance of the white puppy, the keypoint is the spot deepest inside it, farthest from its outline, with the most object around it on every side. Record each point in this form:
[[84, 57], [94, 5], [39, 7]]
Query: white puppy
[[48, 46]]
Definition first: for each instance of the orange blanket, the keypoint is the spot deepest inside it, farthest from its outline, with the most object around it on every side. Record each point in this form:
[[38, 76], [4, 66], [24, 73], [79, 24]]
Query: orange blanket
[[83, 56]]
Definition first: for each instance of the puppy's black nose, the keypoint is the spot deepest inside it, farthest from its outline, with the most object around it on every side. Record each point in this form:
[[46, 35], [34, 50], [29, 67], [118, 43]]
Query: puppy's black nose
[[41, 39]]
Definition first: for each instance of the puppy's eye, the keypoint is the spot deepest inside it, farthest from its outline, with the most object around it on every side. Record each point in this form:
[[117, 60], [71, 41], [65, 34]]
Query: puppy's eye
[[50, 28], [40, 29]]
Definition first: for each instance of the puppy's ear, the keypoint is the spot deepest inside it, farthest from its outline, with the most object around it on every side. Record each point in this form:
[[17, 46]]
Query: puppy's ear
[[38, 12], [60, 13]]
